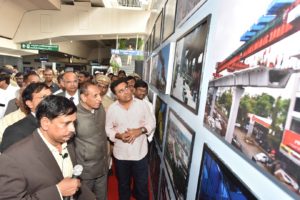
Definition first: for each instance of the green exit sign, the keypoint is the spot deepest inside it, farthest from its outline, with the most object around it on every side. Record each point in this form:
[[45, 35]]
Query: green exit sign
[[47, 47]]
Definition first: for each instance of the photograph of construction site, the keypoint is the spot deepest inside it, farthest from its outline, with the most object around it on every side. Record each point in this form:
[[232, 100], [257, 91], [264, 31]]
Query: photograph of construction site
[[253, 99], [188, 65]]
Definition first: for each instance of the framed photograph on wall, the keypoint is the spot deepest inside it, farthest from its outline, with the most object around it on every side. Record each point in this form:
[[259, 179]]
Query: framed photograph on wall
[[160, 115], [185, 9], [162, 69], [157, 32], [253, 96], [188, 65], [178, 153], [217, 181], [169, 19]]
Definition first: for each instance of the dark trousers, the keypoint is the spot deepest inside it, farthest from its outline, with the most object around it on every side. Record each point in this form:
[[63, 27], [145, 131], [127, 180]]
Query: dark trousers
[[98, 186], [138, 170]]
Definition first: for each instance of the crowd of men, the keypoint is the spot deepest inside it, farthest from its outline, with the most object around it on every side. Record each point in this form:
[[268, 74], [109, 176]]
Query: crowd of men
[[51, 122]]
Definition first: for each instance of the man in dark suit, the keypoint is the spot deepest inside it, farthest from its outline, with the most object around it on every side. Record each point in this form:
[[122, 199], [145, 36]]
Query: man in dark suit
[[40, 166], [70, 84], [32, 95]]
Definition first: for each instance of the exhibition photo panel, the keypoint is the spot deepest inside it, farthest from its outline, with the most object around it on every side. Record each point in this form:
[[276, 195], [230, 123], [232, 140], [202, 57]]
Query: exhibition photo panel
[[157, 32], [161, 115], [169, 19], [178, 153], [160, 69], [188, 65], [185, 9], [217, 181], [253, 95]]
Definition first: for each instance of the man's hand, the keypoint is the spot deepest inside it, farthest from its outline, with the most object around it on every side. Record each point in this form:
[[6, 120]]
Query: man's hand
[[130, 135], [68, 186], [133, 134], [123, 136]]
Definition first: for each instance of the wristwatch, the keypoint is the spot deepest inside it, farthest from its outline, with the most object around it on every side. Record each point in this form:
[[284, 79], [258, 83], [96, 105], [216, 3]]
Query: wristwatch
[[144, 130]]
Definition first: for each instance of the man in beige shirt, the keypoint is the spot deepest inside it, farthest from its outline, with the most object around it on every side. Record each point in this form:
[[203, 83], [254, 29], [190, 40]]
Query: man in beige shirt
[[128, 123]]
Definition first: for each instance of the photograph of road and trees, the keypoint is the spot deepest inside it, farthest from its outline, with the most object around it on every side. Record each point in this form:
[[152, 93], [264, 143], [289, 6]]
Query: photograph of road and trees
[[178, 153], [253, 99]]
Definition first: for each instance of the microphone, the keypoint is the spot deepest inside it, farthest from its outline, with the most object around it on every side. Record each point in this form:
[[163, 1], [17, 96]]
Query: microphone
[[77, 171], [65, 155]]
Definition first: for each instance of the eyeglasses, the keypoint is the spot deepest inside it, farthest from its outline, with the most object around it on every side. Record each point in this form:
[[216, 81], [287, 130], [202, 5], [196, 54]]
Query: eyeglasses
[[123, 90]]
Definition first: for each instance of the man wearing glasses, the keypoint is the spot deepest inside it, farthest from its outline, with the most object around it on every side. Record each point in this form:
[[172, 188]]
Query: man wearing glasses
[[128, 122], [70, 84]]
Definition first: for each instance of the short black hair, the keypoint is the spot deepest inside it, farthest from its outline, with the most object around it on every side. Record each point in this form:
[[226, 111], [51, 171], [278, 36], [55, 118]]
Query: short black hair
[[5, 77], [128, 78], [114, 84], [85, 73], [141, 83], [83, 89], [53, 106], [29, 90], [31, 73], [19, 74], [121, 72], [59, 78]]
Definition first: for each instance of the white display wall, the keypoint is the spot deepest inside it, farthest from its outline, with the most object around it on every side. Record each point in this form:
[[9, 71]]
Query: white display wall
[[227, 21]]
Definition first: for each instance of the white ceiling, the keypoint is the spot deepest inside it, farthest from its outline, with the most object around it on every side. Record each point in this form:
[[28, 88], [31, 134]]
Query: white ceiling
[[14, 10]]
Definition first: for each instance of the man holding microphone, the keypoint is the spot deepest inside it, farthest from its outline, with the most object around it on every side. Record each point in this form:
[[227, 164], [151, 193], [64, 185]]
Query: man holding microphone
[[40, 166]]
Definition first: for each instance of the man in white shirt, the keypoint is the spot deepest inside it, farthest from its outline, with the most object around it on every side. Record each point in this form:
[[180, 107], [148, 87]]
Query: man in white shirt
[[140, 92], [128, 123], [7, 92]]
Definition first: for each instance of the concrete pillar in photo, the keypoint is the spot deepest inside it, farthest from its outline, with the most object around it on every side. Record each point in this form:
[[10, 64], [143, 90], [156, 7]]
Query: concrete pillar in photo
[[250, 127], [213, 101], [237, 94]]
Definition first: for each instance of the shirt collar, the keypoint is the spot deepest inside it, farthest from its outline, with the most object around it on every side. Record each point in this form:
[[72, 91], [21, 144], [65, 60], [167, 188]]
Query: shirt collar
[[75, 95], [49, 145], [82, 107]]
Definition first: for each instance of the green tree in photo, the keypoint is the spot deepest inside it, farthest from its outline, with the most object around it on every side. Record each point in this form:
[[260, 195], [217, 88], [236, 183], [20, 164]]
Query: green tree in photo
[[246, 106], [225, 101], [278, 115], [263, 105]]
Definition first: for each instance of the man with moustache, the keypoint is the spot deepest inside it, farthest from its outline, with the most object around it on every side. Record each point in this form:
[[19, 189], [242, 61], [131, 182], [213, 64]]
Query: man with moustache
[[91, 141], [128, 123], [32, 95], [48, 76], [34, 168]]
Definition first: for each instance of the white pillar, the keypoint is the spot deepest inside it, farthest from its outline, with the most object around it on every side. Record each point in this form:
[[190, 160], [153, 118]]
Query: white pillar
[[250, 127], [238, 92], [213, 101]]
